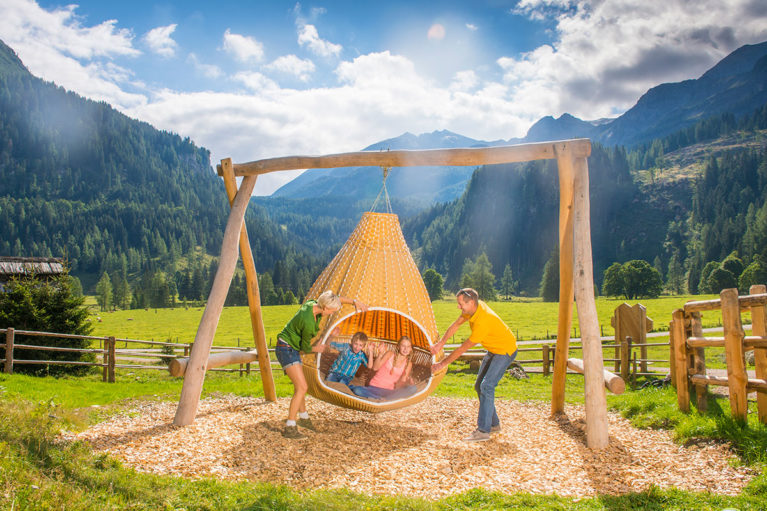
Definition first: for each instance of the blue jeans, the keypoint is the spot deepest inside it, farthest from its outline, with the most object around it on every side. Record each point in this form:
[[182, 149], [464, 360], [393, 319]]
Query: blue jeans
[[491, 371], [371, 392], [342, 378]]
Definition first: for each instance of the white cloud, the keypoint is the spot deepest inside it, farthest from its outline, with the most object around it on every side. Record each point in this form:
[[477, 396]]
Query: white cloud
[[436, 32], [309, 37], [159, 40], [464, 81], [255, 81], [208, 70], [292, 65], [607, 54], [54, 45], [472, 27], [244, 48]]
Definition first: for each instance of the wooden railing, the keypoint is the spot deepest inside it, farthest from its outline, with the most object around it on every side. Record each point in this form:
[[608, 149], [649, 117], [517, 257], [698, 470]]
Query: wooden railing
[[689, 360], [112, 358]]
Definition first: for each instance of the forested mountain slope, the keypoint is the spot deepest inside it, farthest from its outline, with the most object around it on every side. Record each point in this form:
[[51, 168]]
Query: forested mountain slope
[[80, 180]]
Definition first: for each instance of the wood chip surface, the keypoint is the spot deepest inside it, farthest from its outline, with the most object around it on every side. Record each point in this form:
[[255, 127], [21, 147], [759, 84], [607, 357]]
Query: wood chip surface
[[415, 451]]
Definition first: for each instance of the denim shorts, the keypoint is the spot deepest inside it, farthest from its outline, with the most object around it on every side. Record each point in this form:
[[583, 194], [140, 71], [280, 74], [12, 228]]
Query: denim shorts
[[286, 355]]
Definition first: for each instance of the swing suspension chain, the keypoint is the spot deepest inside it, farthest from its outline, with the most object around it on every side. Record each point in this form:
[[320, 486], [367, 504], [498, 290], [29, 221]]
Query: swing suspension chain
[[383, 191]]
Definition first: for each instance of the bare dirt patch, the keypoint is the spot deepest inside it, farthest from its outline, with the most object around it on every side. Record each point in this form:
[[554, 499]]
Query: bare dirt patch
[[415, 451]]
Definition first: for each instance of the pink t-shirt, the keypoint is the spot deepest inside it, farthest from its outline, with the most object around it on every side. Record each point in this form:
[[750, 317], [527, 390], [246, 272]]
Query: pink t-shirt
[[385, 378]]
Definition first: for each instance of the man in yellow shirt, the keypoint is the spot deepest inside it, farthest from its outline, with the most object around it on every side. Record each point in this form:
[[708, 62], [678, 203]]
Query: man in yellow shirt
[[501, 345]]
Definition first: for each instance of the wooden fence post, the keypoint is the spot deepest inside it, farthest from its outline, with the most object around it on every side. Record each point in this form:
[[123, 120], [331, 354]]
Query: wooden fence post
[[111, 360], [733, 350], [105, 361], [625, 347], [671, 355], [545, 356], [699, 362], [759, 328], [9, 339], [680, 361]]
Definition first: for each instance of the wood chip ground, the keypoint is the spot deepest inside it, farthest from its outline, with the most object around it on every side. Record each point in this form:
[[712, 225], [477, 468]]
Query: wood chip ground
[[414, 451]]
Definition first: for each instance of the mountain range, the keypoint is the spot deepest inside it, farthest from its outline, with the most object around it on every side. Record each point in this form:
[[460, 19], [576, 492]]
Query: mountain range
[[112, 194], [737, 85]]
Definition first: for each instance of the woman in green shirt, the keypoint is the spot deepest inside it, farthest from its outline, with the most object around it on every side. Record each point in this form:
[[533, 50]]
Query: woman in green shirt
[[295, 338]]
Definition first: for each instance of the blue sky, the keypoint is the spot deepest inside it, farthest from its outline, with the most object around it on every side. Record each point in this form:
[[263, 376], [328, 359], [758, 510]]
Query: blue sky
[[257, 79]]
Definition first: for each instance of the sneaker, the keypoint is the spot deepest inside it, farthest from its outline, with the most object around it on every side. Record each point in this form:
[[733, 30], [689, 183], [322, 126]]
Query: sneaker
[[495, 429], [306, 423], [477, 436], [292, 433]]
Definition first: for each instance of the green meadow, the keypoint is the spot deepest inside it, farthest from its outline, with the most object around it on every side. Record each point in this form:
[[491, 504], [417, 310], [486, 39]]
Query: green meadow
[[529, 318]]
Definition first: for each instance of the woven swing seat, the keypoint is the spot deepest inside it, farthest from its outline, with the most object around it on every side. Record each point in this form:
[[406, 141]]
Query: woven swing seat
[[375, 266]]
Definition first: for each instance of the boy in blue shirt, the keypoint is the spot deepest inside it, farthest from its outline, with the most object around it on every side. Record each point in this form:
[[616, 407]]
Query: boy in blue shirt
[[350, 358]]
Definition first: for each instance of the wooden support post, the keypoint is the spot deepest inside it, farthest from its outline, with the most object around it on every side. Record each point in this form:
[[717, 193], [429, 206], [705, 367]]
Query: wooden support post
[[759, 328], [545, 355], [671, 355], [9, 340], [680, 361], [254, 298], [699, 362], [634, 370], [195, 374], [625, 347], [733, 350], [111, 345], [566, 219], [617, 325], [595, 397], [642, 338], [105, 361]]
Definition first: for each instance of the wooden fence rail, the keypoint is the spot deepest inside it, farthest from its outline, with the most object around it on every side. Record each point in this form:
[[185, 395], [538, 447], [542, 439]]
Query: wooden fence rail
[[114, 358]]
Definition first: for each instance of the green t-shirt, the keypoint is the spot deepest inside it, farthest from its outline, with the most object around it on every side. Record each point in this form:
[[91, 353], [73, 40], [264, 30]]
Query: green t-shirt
[[302, 328]]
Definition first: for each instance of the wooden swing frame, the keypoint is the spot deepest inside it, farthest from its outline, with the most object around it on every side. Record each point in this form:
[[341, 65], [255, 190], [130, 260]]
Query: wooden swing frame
[[575, 262]]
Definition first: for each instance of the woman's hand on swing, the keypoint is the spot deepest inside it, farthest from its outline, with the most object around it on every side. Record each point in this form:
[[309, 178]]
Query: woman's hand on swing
[[359, 305], [335, 332]]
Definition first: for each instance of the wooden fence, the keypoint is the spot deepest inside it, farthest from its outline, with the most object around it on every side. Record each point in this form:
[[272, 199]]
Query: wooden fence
[[629, 362], [689, 360], [119, 353], [134, 354]]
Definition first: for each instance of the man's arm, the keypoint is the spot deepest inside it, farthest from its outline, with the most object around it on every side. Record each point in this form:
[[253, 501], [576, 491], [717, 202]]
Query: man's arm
[[451, 330], [463, 348]]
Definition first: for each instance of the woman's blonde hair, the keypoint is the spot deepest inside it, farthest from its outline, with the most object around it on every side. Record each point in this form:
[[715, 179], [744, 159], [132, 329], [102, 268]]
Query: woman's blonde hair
[[329, 300]]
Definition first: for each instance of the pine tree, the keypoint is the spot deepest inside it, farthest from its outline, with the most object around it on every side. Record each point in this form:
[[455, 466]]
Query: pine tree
[[549, 289], [434, 283], [104, 292]]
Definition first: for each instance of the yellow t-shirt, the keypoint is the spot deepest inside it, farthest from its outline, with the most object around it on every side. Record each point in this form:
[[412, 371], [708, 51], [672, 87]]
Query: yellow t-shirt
[[491, 332]]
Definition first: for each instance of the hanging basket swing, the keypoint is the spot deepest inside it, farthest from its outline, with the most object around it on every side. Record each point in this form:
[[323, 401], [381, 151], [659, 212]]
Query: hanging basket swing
[[375, 266]]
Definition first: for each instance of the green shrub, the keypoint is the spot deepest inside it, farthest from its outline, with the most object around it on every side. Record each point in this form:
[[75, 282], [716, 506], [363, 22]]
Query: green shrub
[[49, 306]]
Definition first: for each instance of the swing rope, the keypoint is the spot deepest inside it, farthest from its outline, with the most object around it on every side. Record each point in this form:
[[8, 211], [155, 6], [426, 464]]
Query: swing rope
[[383, 191]]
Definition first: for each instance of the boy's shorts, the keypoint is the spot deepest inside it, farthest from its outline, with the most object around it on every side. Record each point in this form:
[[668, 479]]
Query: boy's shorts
[[286, 355]]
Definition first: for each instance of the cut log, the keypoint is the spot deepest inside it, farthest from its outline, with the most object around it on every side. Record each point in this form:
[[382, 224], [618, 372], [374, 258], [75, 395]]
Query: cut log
[[177, 366], [613, 382]]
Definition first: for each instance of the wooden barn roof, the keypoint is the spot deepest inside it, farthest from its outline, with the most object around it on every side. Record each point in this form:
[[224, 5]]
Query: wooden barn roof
[[25, 265]]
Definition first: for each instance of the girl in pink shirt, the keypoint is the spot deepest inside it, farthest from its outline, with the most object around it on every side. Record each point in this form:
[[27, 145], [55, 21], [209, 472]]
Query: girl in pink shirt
[[392, 378]]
